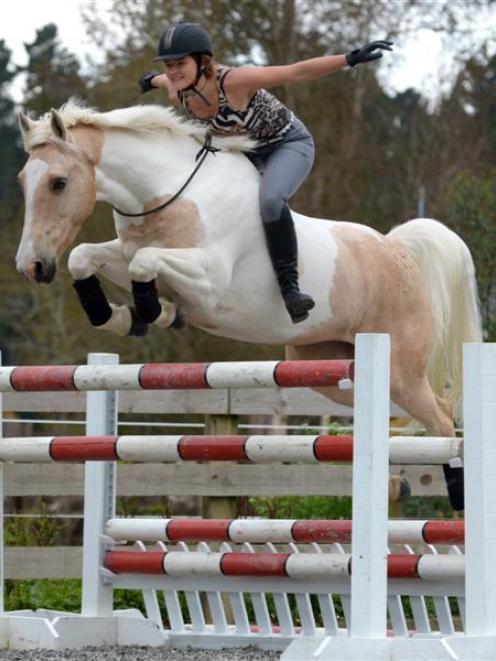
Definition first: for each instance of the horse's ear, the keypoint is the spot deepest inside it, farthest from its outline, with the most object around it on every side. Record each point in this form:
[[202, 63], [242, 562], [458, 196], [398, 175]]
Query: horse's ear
[[24, 123], [57, 124]]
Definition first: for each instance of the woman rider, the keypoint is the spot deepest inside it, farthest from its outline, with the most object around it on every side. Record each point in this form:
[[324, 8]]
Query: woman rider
[[235, 100]]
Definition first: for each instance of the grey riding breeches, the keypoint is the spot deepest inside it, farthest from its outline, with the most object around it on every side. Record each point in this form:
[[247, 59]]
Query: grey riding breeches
[[283, 166]]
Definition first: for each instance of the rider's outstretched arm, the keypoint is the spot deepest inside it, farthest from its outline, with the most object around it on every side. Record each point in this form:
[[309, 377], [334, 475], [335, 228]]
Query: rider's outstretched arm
[[256, 77]]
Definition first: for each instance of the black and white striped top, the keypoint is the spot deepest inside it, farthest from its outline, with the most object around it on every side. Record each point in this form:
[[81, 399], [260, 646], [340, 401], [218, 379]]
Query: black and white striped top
[[265, 119]]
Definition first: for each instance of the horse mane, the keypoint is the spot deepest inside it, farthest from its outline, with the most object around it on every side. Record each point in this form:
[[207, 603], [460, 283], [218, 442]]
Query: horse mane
[[139, 118]]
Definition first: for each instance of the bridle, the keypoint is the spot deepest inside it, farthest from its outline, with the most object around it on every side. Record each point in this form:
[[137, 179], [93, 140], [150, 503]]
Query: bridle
[[200, 157]]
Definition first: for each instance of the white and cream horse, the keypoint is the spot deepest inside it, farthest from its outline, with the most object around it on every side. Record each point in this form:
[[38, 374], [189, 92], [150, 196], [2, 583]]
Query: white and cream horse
[[205, 254]]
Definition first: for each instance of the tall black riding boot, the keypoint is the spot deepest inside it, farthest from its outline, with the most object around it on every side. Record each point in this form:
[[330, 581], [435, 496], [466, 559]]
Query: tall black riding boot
[[283, 250]]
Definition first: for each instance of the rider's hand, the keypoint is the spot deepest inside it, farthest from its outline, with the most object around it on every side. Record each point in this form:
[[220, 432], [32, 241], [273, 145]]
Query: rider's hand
[[145, 82], [368, 52]]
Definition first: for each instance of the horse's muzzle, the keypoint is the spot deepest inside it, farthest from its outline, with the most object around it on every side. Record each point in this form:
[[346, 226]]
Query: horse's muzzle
[[44, 271]]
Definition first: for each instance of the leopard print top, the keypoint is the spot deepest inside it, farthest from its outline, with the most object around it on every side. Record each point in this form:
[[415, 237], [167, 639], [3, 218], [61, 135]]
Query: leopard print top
[[265, 119]]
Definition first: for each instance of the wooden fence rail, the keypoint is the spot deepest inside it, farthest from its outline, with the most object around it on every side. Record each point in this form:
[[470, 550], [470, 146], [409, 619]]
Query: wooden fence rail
[[213, 479]]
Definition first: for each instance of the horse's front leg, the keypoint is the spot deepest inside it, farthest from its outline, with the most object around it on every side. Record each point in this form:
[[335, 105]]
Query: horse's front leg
[[184, 270], [85, 261]]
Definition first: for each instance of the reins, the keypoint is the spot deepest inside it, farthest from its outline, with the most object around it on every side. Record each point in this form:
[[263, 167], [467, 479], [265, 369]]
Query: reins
[[200, 157]]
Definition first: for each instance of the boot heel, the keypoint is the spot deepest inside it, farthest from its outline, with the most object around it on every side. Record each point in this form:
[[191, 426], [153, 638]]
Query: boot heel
[[298, 305]]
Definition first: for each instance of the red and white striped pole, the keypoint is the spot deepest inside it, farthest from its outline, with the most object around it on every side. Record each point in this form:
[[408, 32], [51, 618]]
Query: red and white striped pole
[[249, 449], [189, 376], [277, 531], [325, 566]]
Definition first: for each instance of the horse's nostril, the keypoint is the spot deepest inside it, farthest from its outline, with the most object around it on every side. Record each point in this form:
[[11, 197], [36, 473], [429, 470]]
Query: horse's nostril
[[44, 271]]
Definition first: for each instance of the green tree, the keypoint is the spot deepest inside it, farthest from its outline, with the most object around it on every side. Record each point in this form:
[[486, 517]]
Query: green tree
[[11, 157], [475, 92], [53, 73], [10, 149], [471, 203]]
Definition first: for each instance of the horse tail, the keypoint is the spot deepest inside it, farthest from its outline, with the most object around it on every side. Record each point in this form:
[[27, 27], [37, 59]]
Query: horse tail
[[448, 268]]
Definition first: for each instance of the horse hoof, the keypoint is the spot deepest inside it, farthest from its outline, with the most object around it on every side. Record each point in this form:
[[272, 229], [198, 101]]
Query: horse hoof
[[138, 327], [179, 320], [399, 489]]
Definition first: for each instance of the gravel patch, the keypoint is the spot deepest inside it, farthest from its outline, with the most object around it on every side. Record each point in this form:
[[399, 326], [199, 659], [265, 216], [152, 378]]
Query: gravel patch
[[141, 654]]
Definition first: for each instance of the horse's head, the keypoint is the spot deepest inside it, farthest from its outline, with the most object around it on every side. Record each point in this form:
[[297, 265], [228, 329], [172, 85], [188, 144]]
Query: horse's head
[[58, 180]]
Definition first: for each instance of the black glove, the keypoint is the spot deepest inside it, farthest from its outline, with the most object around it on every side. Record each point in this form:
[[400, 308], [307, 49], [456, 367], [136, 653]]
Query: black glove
[[366, 53], [145, 82]]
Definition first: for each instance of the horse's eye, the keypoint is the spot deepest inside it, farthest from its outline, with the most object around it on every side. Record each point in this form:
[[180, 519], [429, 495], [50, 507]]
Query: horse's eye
[[58, 183]]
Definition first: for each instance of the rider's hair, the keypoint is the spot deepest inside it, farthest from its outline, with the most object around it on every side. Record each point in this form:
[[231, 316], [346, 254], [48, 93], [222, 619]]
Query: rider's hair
[[207, 63]]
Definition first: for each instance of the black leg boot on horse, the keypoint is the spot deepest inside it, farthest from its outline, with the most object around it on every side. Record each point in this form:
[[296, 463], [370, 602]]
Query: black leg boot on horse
[[97, 308], [283, 250], [455, 485]]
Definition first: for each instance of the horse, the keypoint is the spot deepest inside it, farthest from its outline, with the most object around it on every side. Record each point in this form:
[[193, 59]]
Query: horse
[[189, 247]]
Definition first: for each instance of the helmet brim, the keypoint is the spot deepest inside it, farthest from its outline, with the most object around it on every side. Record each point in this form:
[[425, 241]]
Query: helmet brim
[[175, 56]]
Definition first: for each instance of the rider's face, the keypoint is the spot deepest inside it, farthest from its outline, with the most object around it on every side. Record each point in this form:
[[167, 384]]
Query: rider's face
[[181, 72]]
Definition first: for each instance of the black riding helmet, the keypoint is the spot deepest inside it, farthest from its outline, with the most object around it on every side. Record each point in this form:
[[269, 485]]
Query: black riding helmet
[[181, 40], [185, 39]]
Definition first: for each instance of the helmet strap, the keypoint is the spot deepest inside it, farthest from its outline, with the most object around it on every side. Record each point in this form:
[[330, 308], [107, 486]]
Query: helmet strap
[[199, 73], [202, 97]]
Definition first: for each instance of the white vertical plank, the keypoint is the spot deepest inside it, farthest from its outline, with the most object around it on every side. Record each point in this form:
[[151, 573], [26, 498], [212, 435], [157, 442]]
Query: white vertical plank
[[240, 615], [328, 613], [99, 496], [443, 615], [152, 608], [217, 611], [305, 611], [370, 487], [261, 611], [195, 611], [283, 612], [420, 615], [173, 606], [397, 615], [479, 411]]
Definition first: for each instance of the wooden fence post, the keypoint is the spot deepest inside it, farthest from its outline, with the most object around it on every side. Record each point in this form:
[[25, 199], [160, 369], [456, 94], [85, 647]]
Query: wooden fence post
[[220, 507]]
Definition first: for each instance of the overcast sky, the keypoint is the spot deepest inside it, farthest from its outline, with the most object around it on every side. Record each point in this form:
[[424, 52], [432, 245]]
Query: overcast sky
[[415, 62]]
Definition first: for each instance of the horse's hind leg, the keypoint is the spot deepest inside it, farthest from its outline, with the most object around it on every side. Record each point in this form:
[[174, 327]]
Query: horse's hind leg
[[411, 390]]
